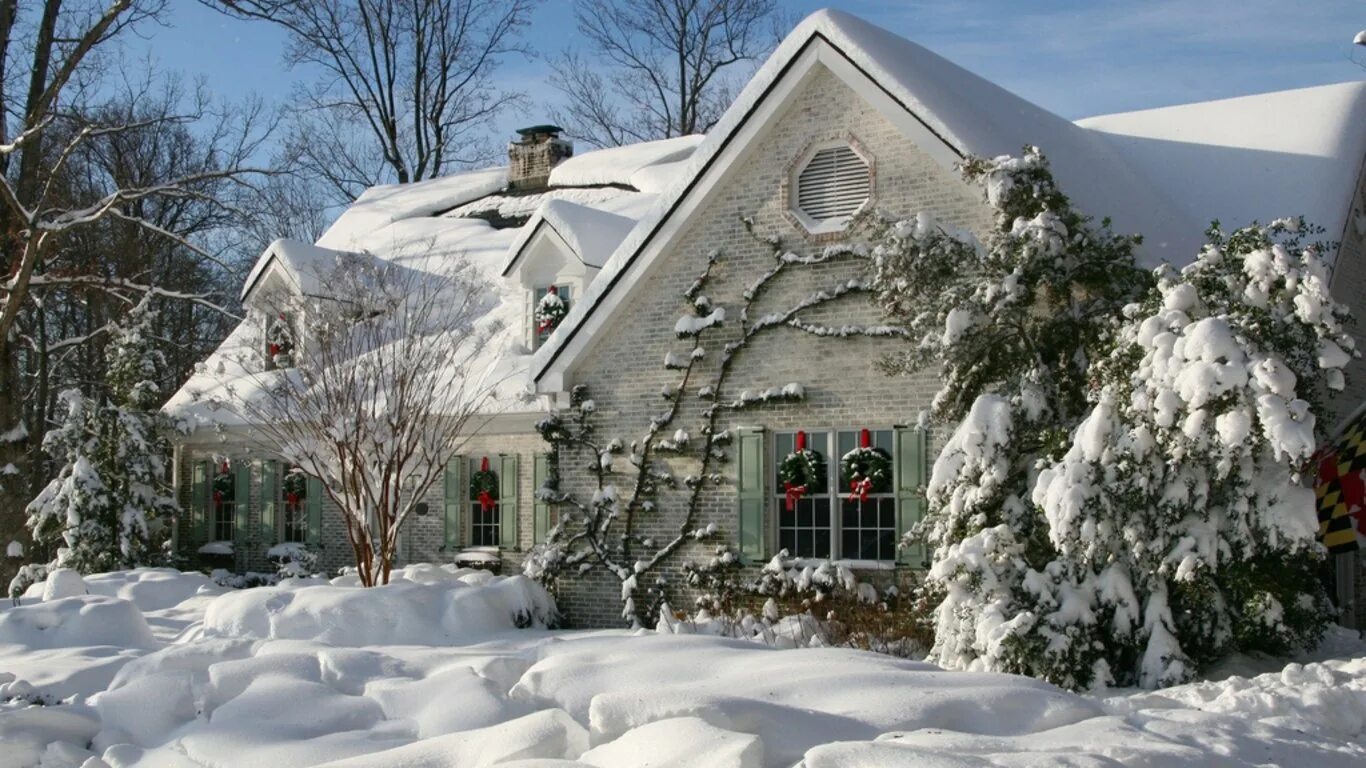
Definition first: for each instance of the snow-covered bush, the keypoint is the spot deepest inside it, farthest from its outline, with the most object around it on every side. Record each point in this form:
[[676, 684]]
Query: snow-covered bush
[[1118, 499], [293, 560]]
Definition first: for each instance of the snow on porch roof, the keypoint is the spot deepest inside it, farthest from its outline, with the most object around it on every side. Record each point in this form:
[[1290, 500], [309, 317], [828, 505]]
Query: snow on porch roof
[[1261, 157], [969, 114]]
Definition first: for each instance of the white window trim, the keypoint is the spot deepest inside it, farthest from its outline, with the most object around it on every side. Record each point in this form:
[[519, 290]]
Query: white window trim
[[835, 225], [534, 339], [836, 493]]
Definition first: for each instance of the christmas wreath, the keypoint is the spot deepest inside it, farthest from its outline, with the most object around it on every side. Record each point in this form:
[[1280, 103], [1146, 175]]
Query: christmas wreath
[[296, 487], [484, 486], [868, 468], [802, 472], [222, 483], [278, 341], [550, 310]]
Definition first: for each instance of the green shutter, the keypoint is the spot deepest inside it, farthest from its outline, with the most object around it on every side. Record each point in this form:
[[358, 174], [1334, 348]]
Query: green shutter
[[199, 501], [270, 502], [507, 503], [910, 499], [313, 505], [241, 506], [541, 523], [454, 492], [750, 489]]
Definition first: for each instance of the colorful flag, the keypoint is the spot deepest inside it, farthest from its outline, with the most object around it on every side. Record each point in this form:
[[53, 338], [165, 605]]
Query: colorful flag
[[1341, 488]]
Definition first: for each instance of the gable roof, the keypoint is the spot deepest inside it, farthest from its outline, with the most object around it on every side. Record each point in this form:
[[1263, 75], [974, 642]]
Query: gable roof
[[591, 234], [1261, 157], [949, 111]]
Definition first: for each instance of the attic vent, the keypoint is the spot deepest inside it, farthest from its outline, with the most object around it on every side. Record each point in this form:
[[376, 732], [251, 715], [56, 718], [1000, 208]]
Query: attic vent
[[832, 186]]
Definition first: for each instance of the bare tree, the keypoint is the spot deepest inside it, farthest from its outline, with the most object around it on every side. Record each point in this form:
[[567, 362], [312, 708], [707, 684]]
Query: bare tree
[[55, 185], [381, 388], [658, 68], [408, 86]]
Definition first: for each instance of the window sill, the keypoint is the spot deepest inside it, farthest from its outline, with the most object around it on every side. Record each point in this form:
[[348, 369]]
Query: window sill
[[853, 565]]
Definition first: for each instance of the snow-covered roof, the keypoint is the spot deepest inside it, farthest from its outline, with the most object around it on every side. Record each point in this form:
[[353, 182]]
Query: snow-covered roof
[[427, 227], [1258, 157], [592, 234], [619, 165], [967, 115]]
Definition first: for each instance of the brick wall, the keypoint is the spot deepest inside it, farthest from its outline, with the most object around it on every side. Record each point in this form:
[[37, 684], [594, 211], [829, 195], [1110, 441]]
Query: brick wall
[[624, 369]]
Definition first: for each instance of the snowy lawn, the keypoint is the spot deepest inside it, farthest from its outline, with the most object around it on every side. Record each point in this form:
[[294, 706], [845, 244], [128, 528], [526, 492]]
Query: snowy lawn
[[453, 667]]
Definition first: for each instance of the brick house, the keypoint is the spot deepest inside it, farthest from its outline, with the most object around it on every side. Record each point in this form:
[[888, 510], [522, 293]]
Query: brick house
[[844, 120]]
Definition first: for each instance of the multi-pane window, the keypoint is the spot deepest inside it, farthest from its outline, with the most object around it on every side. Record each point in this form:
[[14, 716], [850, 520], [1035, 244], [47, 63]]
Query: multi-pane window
[[294, 522], [540, 329], [484, 511], [223, 503], [829, 519]]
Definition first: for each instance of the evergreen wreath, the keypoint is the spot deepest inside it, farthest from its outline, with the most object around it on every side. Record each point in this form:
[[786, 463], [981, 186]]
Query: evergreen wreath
[[484, 486], [296, 487], [868, 468], [223, 485], [550, 310], [278, 338], [801, 472]]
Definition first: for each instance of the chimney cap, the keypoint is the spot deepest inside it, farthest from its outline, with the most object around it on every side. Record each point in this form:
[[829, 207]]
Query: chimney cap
[[553, 130]]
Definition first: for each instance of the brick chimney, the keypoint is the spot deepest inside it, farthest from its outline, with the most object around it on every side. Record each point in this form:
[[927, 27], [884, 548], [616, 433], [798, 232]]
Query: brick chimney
[[531, 157]]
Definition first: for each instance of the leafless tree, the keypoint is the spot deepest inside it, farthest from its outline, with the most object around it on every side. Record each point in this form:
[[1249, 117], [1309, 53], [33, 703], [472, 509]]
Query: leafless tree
[[408, 86], [655, 69], [62, 174], [379, 385]]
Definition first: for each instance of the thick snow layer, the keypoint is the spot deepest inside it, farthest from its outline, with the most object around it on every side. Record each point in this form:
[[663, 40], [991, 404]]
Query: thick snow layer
[[71, 622], [302, 692], [383, 205], [400, 613], [150, 589], [618, 165], [1262, 157], [590, 233], [63, 582]]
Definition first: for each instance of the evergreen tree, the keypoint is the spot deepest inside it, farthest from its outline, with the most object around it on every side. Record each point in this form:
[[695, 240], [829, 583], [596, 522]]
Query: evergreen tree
[[112, 480]]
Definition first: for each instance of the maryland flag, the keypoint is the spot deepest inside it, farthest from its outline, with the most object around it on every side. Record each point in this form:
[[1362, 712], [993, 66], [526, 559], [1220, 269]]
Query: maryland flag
[[1341, 488]]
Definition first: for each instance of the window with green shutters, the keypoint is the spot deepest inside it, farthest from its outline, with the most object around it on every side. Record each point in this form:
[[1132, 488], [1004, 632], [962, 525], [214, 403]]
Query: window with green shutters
[[831, 521], [200, 475], [294, 497], [493, 521], [270, 502], [750, 489], [313, 508], [507, 503], [229, 494]]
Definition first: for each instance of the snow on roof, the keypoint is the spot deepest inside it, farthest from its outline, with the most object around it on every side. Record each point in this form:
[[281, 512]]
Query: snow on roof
[[969, 113], [388, 203], [1260, 157], [592, 234], [616, 165], [302, 262]]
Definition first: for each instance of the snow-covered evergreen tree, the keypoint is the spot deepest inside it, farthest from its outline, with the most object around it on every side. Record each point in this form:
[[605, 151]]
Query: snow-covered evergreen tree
[[95, 514], [1118, 500]]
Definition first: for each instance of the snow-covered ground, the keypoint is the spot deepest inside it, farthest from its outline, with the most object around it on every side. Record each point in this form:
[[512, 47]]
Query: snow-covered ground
[[454, 667]]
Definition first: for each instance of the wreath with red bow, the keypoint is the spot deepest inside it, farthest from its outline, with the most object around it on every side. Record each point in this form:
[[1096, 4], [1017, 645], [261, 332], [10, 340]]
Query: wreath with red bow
[[223, 485], [484, 486], [296, 487], [801, 472], [550, 310], [868, 468]]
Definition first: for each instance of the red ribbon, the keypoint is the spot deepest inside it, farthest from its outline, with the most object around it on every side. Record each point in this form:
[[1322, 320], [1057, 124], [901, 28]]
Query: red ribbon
[[801, 442], [274, 350], [217, 496], [794, 495], [865, 439], [484, 465], [292, 499], [485, 501], [859, 489]]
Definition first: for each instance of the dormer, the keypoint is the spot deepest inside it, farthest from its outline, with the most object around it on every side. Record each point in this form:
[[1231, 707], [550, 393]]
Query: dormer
[[563, 246], [286, 272]]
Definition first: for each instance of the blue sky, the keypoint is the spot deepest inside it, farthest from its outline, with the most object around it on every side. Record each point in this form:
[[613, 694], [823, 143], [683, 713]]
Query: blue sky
[[1074, 58]]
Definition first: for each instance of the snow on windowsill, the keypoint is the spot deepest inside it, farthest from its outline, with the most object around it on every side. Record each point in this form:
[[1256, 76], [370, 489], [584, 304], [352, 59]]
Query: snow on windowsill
[[853, 565], [217, 548], [478, 555]]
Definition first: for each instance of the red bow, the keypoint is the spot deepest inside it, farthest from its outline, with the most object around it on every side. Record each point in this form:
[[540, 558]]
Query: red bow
[[859, 489], [274, 350], [794, 494], [485, 501], [292, 499], [217, 496]]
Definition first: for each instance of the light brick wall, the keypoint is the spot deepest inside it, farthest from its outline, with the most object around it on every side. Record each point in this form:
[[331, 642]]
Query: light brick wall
[[623, 369]]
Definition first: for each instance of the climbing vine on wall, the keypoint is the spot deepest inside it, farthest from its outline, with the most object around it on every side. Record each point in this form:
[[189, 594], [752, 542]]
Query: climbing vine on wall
[[603, 531]]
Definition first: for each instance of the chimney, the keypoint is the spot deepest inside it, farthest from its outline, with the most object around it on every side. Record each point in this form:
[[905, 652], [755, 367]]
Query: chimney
[[531, 157]]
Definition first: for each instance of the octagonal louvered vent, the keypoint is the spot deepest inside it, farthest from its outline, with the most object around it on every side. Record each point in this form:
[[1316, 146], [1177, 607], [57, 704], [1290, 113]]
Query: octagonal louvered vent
[[833, 185]]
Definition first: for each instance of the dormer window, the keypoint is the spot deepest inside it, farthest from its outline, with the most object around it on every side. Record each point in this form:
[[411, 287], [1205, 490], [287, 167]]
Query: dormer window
[[830, 184], [279, 351], [551, 306]]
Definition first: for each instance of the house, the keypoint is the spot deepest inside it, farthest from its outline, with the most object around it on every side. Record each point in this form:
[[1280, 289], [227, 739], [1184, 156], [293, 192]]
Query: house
[[844, 119]]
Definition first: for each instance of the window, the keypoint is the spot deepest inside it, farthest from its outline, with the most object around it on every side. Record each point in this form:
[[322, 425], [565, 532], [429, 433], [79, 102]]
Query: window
[[830, 187], [485, 508], [279, 343], [294, 522], [545, 315], [827, 520], [223, 504]]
